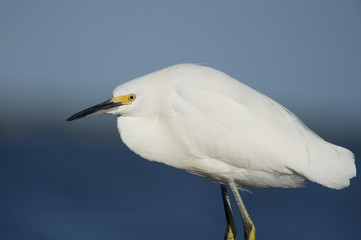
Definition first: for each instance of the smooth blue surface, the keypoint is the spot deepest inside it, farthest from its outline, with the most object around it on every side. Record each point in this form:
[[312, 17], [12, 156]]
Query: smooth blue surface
[[77, 180], [54, 188]]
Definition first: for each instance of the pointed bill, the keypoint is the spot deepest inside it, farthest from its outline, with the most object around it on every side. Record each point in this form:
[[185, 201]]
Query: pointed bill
[[103, 107]]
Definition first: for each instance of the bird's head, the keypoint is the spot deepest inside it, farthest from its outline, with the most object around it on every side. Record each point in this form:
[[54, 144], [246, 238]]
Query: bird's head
[[144, 96], [127, 100]]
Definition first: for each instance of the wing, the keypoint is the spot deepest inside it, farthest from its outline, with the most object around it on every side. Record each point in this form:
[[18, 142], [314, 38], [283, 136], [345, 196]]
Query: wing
[[237, 125]]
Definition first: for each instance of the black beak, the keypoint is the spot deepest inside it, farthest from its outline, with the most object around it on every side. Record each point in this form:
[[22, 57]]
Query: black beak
[[97, 109]]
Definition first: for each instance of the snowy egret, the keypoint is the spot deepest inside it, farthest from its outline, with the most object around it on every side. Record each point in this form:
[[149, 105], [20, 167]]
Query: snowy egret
[[203, 121]]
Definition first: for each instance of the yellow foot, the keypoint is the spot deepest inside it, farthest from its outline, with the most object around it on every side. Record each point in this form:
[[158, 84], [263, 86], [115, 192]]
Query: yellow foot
[[231, 233], [250, 231]]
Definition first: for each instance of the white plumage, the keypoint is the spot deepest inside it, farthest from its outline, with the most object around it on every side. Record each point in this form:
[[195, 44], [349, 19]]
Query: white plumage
[[202, 121]]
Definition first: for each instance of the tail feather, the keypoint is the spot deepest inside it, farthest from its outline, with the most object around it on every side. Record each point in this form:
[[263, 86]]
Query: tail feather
[[332, 166]]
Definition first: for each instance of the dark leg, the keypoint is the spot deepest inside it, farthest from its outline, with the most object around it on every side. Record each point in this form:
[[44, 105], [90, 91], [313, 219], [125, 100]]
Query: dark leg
[[249, 228], [231, 231]]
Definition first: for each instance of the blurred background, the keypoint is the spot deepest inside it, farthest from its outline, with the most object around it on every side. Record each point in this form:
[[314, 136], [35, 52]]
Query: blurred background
[[77, 180]]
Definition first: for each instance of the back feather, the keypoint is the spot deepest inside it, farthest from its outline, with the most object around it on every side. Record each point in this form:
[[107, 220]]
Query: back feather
[[253, 131]]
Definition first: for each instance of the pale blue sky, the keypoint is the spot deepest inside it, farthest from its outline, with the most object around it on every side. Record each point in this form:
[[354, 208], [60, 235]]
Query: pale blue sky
[[57, 57]]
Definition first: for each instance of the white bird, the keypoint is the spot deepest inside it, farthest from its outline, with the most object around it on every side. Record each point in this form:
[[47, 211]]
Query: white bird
[[205, 122]]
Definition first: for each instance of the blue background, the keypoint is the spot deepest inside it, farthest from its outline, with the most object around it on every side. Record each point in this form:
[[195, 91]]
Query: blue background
[[77, 180]]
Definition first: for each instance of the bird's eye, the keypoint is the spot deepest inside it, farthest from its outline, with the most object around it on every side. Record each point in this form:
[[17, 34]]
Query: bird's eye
[[131, 97]]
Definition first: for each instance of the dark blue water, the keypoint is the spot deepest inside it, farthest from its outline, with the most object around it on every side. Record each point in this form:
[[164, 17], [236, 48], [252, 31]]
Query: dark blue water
[[73, 188]]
